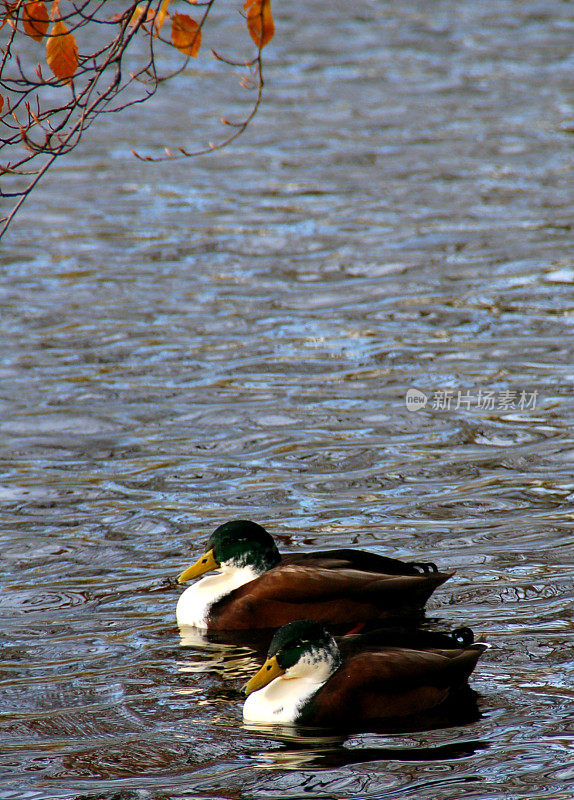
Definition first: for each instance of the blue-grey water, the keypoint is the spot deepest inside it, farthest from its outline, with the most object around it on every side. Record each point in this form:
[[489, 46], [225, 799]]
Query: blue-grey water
[[191, 342]]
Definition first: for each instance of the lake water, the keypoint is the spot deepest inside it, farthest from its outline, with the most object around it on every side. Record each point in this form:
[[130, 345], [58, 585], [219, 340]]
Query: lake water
[[197, 341]]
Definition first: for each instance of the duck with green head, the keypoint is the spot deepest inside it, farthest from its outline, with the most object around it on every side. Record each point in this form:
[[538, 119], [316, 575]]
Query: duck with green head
[[254, 586], [306, 680]]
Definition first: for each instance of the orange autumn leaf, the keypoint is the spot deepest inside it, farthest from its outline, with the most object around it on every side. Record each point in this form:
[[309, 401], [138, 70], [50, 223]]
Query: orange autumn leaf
[[62, 52], [260, 21], [36, 20], [185, 34]]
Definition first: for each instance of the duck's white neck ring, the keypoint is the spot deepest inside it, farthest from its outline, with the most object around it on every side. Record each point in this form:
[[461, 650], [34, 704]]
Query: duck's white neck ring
[[195, 603]]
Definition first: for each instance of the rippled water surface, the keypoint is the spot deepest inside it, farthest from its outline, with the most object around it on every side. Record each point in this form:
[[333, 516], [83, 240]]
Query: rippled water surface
[[192, 342]]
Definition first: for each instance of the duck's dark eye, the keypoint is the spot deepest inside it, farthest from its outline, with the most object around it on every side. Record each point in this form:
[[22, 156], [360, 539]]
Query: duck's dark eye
[[204, 561], [268, 667]]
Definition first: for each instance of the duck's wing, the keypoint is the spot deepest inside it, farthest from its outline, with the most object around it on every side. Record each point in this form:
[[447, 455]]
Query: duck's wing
[[294, 584], [335, 597], [347, 558], [392, 683], [384, 636], [405, 666]]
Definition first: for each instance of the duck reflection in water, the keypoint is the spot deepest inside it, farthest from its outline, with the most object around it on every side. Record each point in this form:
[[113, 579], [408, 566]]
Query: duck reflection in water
[[225, 657], [301, 747]]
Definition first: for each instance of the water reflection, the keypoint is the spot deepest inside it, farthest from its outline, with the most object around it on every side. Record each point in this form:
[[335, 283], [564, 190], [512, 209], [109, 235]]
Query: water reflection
[[256, 640], [330, 753], [216, 654]]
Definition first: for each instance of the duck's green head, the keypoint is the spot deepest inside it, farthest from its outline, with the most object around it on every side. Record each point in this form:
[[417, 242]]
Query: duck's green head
[[237, 544], [298, 649]]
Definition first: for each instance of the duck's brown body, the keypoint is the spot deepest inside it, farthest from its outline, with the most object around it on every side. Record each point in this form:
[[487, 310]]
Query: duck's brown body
[[389, 684], [338, 587], [309, 678]]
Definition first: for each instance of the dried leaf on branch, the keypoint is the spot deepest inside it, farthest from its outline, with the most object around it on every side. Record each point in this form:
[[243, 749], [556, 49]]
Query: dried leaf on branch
[[62, 52], [123, 62], [260, 21], [35, 20], [185, 34]]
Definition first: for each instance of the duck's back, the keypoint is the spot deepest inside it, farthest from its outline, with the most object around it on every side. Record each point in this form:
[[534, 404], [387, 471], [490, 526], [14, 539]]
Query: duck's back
[[336, 596], [347, 558], [390, 684]]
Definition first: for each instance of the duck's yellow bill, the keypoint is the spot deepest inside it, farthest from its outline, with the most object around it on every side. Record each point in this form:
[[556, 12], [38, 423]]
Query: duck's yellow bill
[[268, 672], [206, 563]]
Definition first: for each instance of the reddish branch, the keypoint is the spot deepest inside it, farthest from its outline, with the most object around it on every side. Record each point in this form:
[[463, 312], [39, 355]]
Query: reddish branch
[[46, 107]]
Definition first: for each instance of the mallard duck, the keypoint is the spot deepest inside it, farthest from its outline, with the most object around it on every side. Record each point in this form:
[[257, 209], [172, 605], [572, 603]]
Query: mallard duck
[[307, 680], [256, 587]]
